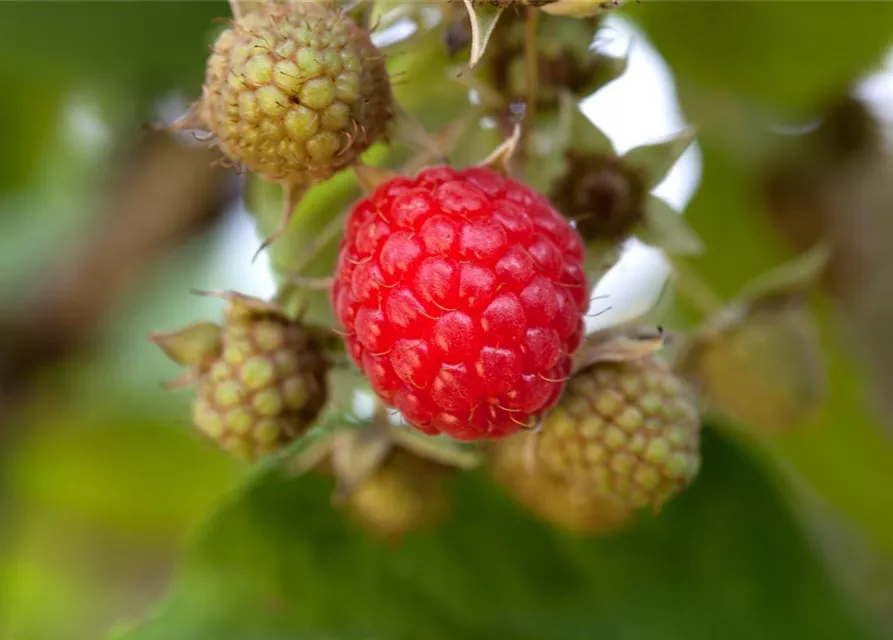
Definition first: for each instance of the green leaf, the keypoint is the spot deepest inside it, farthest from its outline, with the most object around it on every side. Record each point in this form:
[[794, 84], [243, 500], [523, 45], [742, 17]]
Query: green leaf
[[280, 563], [96, 503], [111, 40], [666, 229], [554, 134], [139, 474], [781, 55], [655, 160]]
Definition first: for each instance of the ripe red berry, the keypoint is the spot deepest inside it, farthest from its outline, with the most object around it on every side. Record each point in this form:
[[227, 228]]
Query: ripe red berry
[[462, 294]]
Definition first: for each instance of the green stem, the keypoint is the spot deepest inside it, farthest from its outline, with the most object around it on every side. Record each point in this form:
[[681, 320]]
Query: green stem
[[694, 288]]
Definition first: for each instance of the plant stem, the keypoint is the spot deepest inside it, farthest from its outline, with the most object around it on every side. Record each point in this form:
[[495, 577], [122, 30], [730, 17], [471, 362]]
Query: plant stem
[[694, 288], [531, 64]]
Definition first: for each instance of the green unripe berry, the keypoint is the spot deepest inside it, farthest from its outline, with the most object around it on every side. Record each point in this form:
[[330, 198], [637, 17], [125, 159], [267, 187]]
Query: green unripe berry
[[295, 92], [627, 431]]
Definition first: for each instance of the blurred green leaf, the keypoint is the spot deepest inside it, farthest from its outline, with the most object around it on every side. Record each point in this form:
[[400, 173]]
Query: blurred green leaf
[[95, 505], [156, 45], [426, 82], [781, 55], [279, 562], [127, 472], [28, 121], [654, 161]]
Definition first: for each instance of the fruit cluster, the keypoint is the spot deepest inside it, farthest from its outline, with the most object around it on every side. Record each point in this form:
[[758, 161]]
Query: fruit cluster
[[460, 290]]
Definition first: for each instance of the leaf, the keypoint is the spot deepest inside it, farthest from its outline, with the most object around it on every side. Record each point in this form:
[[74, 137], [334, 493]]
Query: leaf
[[112, 40], [142, 475], [781, 55], [28, 124], [556, 132], [665, 228], [93, 499], [655, 160], [583, 134], [280, 563]]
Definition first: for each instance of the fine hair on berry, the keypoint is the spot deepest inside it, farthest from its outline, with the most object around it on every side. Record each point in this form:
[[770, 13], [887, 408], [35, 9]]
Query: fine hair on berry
[[462, 296]]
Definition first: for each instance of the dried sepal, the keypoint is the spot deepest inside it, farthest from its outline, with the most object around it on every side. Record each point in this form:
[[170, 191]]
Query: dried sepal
[[618, 345], [501, 158], [580, 8], [195, 118], [292, 194], [356, 455], [483, 19], [192, 345], [241, 305]]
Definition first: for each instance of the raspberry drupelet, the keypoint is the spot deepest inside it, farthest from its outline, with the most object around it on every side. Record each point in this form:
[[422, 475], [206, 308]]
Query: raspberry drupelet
[[462, 295]]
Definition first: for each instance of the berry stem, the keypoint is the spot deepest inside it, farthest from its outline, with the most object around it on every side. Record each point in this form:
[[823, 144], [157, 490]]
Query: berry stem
[[694, 288], [329, 233], [531, 66], [312, 284], [410, 128]]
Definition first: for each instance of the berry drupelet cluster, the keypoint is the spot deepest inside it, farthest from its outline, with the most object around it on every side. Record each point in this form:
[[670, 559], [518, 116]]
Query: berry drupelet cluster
[[462, 295]]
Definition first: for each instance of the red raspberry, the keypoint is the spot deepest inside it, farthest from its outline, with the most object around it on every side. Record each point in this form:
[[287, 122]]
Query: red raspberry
[[462, 294]]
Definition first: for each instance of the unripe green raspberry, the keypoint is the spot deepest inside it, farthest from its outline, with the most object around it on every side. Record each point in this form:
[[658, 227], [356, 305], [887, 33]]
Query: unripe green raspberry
[[260, 379], [762, 365], [628, 431], [295, 92], [406, 493], [551, 498]]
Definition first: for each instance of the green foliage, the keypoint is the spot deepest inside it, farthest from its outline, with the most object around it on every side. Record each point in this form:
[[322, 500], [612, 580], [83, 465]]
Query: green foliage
[[70, 466], [156, 45], [92, 499], [278, 562], [777, 55]]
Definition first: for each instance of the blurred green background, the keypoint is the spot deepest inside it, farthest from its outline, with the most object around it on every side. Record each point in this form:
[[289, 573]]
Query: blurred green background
[[112, 509]]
